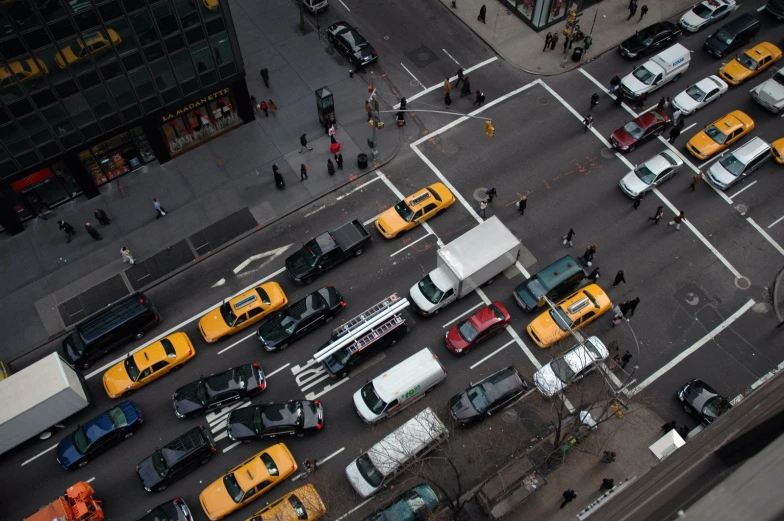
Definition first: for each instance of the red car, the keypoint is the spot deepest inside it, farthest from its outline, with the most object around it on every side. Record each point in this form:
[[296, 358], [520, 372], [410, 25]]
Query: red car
[[639, 130], [477, 328]]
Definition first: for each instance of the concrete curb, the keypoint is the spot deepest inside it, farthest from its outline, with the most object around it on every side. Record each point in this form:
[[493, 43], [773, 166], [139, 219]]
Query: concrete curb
[[776, 289]]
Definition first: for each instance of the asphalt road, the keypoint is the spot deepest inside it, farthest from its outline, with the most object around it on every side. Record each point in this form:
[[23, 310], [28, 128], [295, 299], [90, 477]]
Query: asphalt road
[[690, 282]]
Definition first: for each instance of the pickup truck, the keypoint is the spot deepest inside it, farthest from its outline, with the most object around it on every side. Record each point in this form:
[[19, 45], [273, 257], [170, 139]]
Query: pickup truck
[[327, 250]]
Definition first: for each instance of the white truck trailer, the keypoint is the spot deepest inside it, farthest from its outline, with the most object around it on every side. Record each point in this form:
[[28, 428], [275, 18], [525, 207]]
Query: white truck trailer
[[37, 398]]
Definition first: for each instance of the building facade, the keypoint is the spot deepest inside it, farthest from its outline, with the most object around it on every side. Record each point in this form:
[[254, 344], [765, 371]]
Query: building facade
[[93, 89]]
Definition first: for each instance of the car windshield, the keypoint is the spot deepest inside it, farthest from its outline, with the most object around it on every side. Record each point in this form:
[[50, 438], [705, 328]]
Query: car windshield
[[467, 331], [404, 211], [371, 399], [716, 135], [724, 36], [78, 343], [560, 318], [368, 471], [669, 158], [80, 440], [778, 78], [702, 11], [228, 314], [696, 93], [561, 370], [298, 507], [157, 514], [430, 290], [478, 399], [732, 165], [131, 368], [747, 61], [644, 75], [117, 417], [715, 407], [270, 464], [232, 487], [342, 355], [201, 393], [633, 129], [159, 464], [312, 251], [593, 349], [645, 174]]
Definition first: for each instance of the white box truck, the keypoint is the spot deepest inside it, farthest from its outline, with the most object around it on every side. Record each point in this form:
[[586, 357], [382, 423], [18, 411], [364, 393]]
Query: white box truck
[[473, 259], [37, 398], [661, 69]]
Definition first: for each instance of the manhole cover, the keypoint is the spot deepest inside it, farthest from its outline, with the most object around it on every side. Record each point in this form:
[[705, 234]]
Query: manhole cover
[[422, 56], [509, 416], [742, 208], [607, 153], [543, 100], [450, 149], [742, 283], [479, 194]]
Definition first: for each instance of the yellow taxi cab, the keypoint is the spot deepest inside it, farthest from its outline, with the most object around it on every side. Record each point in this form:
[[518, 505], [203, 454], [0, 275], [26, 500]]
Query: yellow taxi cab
[[247, 481], [242, 311], [575, 312], [212, 5], [93, 43], [777, 151], [750, 63], [148, 364], [303, 504], [414, 210], [25, 70], [720, 134]]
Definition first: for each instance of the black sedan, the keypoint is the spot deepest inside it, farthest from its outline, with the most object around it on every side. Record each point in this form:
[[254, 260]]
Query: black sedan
[[348, 40], [279, 330], [487, 396], [649, 40], [174, 510], [218, 390], [701, 400], [276, 419]]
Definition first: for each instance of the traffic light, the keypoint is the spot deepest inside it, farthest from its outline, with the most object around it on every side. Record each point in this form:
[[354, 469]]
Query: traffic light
[[489, 128], [573, 16]]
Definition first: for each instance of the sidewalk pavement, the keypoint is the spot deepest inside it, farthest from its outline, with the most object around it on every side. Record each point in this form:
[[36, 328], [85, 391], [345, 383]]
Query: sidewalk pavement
[[213, 195], [521, 46]]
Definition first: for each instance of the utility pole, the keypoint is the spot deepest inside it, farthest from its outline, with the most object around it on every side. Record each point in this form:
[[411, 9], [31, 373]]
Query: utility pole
[[375, 118]]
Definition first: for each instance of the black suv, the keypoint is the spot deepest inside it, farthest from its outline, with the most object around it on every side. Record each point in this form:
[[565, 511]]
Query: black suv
[[276, 419], [497, 391], [650, 39], [218, 390], [176, 459]]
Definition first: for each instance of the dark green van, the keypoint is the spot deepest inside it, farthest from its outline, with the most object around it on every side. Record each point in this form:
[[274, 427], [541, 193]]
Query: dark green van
[[555, 281]]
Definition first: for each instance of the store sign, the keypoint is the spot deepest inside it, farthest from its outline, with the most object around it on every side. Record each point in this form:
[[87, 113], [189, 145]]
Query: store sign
[[195, 104]]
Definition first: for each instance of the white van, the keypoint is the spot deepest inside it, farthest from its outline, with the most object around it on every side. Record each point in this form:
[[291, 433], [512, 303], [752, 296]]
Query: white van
[[663, 68], [387, 458], [739, 163], [399, 387]]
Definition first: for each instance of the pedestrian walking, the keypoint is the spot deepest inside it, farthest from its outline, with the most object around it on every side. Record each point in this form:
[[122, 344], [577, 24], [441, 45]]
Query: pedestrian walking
[[695, 179], [658, 215], [491, 193], [617, 319], [265, 76], [683, 432], [263, 106], [101, 216], [68, 229], [594, 275], [619, 277], [303, 141], [273, 106], [330, 167], [303, 172], [254, 104], [618, 101], [482, 14], [447, 86], [158, 208], [664, 102], [127, 256], [567, 239], [594, 100], [483, 209], [480, 98], [607, 484], [632, 10], [669, 426], [339, 160], [587, 122], [521, 204], [631, 2], [638, 200], [643, 12], [447, 100], [466, 89], [92, 232], [625, 359], [460, 78], [624, 307], [674, 133], [614, 83], [676, 116], [566, 44], [587, 257], [569, 495], [608, 457], [677, 220], [633, 305], [279, 182], [553, 41], [640, 102], [547, 40]]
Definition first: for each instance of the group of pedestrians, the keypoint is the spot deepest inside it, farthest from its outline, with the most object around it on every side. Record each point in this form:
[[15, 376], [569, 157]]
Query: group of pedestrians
[[633, 11], [465, 90]]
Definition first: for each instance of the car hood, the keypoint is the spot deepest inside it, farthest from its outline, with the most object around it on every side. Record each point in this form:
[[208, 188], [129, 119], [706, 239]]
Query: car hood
[[634, 85], [633, 183], [297, 263], [461, 408], [67, 455], [720, 174], [212, 324], [455, 340], [703, 144], [271, 332], [240, 423], [736, 71], [362, 487], [685, 102], [391, 221], [116, 380], [771, 91], [546, 381], [147, 473], [186, 398], [524, 293], [216, 501], [634, 44], [622, 137], [691, 19]]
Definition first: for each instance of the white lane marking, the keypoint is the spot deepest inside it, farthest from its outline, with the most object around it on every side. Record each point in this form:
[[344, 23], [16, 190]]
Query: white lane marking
[[493, 353], [324, 460], [647, 110], [360, 187], [279, 369], [372, 219], [241, 340], [410, 244], [771, 225], [452, 57], [39, 455], [761, 8], [610, 374], [439, 85], [221, 282], [180, 325], [598, 84], [710, 336], [314, 382], [90, 480], [317, 210], [412, 75], [767, 376], [694, 169], [461, 315], [272, 254], [733, 196], [344, 5], [766, 236], [221, 436], [368, 500], [227, 449]]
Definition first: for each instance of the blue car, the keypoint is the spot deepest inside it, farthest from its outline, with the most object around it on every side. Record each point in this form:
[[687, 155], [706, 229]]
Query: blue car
[[100, 433], [413, 505]]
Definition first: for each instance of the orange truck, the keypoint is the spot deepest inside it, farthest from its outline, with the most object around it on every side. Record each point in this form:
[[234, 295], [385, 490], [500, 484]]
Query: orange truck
[[77, 504]]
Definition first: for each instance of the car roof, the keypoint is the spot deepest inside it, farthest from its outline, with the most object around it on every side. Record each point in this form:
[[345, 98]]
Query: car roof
[[657, 163], [252, 471], [734, 119], [575, 301], [484, 317], [763, 49], [648, 119], [279, 414], [709, 83]]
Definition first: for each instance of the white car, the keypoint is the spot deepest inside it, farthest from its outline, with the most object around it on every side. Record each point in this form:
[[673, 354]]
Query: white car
[[700, 94], [705, 13], [650, 174], [770, 94], [570, 366]]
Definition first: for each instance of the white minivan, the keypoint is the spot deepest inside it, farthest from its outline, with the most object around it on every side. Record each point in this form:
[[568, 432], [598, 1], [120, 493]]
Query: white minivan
[[399, 387], [387, 458], [739, 163]]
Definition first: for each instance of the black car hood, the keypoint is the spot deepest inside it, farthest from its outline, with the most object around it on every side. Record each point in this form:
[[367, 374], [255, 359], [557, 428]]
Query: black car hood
[[271, 332], [186, 398], [635, 43], [461, 408], [698, 396], [147, 474], [717, 44], [363, 51], [297, 263], [240, 423]]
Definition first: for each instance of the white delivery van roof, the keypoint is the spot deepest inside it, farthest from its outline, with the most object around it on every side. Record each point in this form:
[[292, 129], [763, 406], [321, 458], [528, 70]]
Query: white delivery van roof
[[420, 367], [406, 441], [672, 57], [469, 253]]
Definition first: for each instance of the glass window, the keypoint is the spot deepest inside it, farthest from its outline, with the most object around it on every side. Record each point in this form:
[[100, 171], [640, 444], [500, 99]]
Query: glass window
[[111, 69], [133, 61], [49, 149], [22, 15], [91, 131], [111, 122], [215, 26], [186, 10], [142, 83], [21, 108], [3, 157], [170, 96], [13, 140], [50, 9], [86, 20], [77, 6], [164, 16], [4, 117], [221, 48], [189, 86], [144, 28], [89, 79], [12, 48], [164, 77], [37, 39], [28, 72], [200, 124], [132, 113], [66, 89], [228, 70], [29, 159], [209, 8], [133, 5], [183, 67], [57, 119], [62, 29], [35, 129], [121, 90], [79, 110], [77, 52], [71, 140], [208, 78], [151, 105], [44, 98], [202, 56], [123, 39], [110, 11], [153, 52], [100, 101], [175, 43], [195, 34]]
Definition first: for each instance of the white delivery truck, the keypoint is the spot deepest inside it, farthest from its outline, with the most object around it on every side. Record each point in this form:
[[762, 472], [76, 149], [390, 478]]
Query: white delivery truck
[[663, 68], [473, 259], [37, 398]]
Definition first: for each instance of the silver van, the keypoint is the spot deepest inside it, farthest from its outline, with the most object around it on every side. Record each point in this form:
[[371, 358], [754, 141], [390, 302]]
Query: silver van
[[399, 387], [739, 163], [387, 458]]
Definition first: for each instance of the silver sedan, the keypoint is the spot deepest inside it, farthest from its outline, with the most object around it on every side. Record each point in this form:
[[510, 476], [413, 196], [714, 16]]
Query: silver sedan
[[650, 174]]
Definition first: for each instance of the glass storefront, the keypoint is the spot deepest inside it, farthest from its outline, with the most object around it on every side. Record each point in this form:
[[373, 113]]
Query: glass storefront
[[41, 191], [200, 121], [117, 156], [539, 13]]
